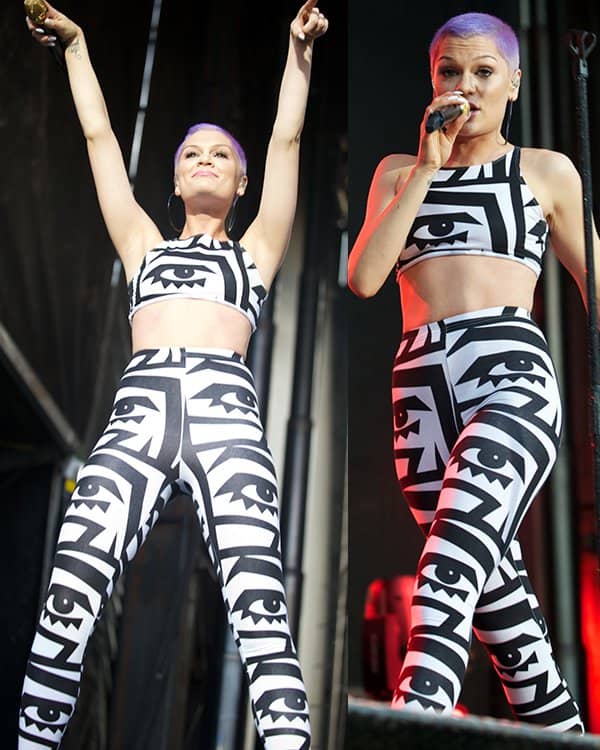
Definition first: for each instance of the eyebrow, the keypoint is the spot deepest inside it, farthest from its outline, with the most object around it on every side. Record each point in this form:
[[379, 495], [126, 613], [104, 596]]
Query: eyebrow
[[214, 145], [479, 57]]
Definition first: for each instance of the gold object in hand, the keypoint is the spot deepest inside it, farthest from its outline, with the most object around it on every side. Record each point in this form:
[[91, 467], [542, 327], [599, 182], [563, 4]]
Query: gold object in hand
[[37, 10]]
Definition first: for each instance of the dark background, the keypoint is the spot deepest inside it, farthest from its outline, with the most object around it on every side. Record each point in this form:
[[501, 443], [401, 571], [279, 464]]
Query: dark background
[[389, 87]]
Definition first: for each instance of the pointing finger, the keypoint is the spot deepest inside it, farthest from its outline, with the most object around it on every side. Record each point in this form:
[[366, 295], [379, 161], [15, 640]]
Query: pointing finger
[[306, 10]]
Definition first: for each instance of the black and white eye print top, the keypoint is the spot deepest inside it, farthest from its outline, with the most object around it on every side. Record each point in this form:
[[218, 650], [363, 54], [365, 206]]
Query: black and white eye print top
[[483, 209], [199, 267]]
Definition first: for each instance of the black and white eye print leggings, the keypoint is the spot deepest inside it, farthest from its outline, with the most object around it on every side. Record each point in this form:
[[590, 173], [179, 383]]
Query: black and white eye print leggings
[[477, 419], [183, 421]]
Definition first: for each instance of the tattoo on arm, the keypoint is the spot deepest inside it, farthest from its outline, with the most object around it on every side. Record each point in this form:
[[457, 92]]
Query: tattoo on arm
[[74, 49]]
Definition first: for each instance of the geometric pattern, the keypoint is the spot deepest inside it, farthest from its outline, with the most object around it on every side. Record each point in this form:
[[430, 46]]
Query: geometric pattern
[[184, 421], [477, 420], [199, 267], [483, 209]]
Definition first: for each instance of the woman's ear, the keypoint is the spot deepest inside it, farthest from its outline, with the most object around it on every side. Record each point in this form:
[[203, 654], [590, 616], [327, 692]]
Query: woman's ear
[[515, 82], [243, 184]]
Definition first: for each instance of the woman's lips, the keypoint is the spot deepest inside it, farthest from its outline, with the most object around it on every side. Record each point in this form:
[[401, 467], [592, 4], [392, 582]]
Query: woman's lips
[[203, 173]]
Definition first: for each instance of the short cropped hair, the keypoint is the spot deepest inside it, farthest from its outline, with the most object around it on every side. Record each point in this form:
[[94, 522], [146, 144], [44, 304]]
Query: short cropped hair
[[210, 126], [479, 24]]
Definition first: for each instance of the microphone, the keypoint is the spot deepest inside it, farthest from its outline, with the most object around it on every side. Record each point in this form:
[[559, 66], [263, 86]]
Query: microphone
[[37, 10], [439, 117]]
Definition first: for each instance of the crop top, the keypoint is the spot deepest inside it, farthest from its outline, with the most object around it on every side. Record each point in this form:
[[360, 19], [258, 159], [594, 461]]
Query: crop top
[[199, 267], [483, 209]]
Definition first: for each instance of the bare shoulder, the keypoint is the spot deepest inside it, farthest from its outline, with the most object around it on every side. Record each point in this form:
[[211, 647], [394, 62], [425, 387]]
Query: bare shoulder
[[548, 164], [397, 161], [395, 164], [551, 176], [389, 174], [393, 169]]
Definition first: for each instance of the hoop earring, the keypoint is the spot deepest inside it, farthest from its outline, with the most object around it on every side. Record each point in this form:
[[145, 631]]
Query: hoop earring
[[506, 121], [230, 218], [169, 206]]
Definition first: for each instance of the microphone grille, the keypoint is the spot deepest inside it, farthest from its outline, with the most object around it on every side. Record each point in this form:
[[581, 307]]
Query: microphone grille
[[37, 10]]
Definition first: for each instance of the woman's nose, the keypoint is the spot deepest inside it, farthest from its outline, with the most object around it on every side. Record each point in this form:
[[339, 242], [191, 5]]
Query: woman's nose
[[466, 83]]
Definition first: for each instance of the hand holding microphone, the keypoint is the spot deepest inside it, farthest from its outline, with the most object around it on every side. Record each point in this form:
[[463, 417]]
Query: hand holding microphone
[[37, 12], [50, 28], [438, 119], [450, 109]]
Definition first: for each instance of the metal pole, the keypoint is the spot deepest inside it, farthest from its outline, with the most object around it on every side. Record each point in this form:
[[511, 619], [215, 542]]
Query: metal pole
[[581, 43], [332, 699], [113, 294], [297, 453], [536, 46], [261, 350]]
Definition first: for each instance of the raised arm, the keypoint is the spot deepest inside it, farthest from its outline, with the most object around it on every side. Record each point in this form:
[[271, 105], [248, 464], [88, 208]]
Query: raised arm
[[566, 220], [130, 228], [268, 235], [398, 188]]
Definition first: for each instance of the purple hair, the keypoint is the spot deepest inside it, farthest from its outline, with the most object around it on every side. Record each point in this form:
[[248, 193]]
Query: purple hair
[[479, 24], [210, 126]]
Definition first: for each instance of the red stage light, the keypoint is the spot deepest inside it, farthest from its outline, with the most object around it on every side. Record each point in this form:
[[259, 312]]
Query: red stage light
[[385, 633], [590, 634]]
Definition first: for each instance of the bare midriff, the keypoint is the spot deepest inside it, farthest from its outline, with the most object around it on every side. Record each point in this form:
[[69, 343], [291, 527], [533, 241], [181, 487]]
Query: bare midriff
[[437, 288], [190, 323]]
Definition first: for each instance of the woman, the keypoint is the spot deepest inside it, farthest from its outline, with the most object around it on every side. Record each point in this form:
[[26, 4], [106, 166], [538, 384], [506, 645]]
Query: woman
[[476, 407], [185, 417]]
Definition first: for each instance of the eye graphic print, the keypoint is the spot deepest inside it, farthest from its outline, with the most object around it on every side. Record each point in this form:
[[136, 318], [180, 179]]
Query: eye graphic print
[[65, 605], [510, 655], [258, 561], [44, 713], [230, 397], [402, 407], [426, 687], [483, 456], [446, 574], [510, 366], [288, 702], [440, 229], [261, 604], [253, 491], [128, 409], [95, 491], [180, 274]]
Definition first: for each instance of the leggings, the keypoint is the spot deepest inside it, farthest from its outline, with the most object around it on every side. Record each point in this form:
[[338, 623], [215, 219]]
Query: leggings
[[477, 420], [184, 421]]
